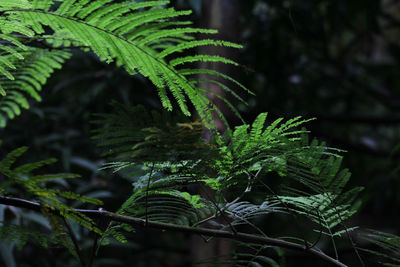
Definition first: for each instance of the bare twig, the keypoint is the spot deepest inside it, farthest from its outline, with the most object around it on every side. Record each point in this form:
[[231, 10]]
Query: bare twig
[[136, 222]]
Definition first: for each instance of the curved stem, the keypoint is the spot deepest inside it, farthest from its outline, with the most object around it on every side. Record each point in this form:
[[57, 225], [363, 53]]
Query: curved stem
[[103, 214]]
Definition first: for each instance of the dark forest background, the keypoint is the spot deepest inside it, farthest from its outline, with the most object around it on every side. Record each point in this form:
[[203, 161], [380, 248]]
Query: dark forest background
[[338, 61]]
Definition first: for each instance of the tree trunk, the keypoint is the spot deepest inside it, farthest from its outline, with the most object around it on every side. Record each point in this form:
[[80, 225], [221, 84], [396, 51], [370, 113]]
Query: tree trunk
[[224, 16]]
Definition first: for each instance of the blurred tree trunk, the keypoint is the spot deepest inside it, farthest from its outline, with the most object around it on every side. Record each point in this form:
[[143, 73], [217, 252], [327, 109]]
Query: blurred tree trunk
[[223, 15]]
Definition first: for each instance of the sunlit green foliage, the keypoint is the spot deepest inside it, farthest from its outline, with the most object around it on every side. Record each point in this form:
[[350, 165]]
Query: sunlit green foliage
[[177, 177], [142, 37], [236, 161], [34, 186]]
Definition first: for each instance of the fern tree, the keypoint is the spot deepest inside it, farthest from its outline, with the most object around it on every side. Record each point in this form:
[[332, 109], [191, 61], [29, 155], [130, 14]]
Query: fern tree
[[257, 171]]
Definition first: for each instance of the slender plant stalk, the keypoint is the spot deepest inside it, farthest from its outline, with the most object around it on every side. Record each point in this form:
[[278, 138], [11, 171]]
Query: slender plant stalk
[[94, 249], [136, 222], [75, 242]]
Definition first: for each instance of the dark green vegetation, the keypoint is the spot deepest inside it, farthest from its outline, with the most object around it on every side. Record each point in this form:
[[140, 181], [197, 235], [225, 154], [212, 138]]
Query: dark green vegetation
[[277, 195]]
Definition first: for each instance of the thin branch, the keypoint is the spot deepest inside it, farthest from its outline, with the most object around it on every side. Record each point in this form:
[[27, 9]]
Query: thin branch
[[94, 250], [320, 230], [147, 191], [332, 200], [74, 241], [288, 210], [221, 212], [248, 189], [103, 214], [205, 220]]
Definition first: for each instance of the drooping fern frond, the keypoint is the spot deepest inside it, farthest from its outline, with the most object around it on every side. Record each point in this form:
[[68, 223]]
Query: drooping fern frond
[[389, 245], [280, 147], [169, 206], [132, 134], [164, 148], [10, 45], [245, 255], [21, 235], [243, 211], [30, 75], [34, 188], [143, 37], [237, 160], [318, 190], [161, 197]]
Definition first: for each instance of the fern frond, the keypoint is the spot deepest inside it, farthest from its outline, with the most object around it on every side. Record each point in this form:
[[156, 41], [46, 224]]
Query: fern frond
[[16, 4], [317, 184], [168, 206], [320, 210], [30, 75], [129, 34], [34, 187], [10, 45], [227, 103], [160, 195], [244, 211], [191, 72], [136, 135], [116, 231], [21, 235], [172, 146], [197, 43], [201, 58], [222, 86], [389, 243], [245, 255]]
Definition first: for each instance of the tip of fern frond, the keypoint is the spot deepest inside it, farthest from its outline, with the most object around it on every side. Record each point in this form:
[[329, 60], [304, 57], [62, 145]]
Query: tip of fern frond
[[186, 112], [251, 92], [187, 12], [298, 118]]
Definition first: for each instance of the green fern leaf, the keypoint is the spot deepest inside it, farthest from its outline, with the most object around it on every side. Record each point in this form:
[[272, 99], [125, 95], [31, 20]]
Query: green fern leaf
[[31, 74], [34, 187], [116, 33], [389, 243]]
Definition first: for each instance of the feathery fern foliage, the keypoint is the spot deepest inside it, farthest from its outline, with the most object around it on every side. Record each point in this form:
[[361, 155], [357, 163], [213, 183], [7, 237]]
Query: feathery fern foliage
[[142, 37], [35, 187], [30, 75], [238, 160], [249, 255], [138, 135], [389, 245], [165, 148], [20, 236], [164, 156]]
